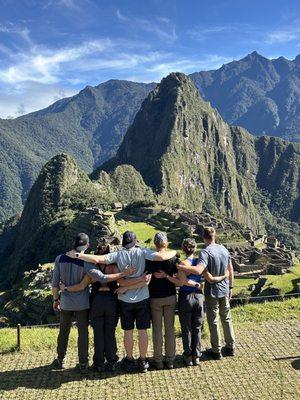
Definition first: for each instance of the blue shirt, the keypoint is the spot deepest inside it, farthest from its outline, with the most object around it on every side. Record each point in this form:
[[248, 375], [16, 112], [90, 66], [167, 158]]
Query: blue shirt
[[216, 259], [193, 277]]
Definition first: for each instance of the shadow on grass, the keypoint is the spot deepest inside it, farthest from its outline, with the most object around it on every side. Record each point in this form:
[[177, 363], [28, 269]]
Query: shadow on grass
[[44, 377], [296, 364], [9, 350]]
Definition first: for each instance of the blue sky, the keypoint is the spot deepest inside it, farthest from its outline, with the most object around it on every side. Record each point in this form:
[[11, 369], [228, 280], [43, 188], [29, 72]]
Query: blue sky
[[53, 48]]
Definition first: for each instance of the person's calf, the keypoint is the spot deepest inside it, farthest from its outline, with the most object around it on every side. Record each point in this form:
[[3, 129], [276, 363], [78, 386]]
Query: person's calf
[[143, 343]]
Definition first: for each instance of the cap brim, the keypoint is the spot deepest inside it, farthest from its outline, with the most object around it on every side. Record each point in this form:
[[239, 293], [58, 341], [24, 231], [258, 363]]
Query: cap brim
[[130, 245], [81, 248]]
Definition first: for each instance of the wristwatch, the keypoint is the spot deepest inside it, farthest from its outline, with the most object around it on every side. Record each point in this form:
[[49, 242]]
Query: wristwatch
[[77, 255], [230, 287], [65, 289], [197, 285]]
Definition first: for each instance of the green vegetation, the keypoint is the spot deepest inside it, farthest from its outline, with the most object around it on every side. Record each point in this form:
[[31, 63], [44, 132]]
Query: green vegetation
[[286, 283]]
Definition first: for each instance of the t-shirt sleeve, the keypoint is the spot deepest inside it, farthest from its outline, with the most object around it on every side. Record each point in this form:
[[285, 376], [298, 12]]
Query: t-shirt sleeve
[[149, 267], [174, 262], [56, 274], [112, 258], [94, 273], [149, 254], [203, 258]]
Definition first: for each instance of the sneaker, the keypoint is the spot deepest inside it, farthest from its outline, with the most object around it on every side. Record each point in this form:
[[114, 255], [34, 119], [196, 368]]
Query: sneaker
[[143, 365], [212, 354], [83, 368], [128, 364], [99, 368], [59, 364], [158, 365], [196, 361], [228, 352], [188, 361], [110, 366], [169, 364]]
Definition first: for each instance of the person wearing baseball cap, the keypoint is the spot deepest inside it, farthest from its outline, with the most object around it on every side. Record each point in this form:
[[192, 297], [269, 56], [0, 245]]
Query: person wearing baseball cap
[[133, 294], [71, 272]]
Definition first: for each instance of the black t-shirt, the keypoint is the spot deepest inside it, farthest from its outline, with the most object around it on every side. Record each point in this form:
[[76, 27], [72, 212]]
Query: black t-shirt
[[161, 287]]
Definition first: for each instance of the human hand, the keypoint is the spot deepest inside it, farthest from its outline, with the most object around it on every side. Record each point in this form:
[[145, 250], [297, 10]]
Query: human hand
[[230, 294], [71, 254], [56, 305], [129, 270], [62, 286], [121, 290], [181, 267], [160, 274]]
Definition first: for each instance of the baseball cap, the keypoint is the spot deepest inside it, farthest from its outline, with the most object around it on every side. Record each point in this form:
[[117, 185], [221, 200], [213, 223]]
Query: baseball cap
[[129, 239], [81, 242]]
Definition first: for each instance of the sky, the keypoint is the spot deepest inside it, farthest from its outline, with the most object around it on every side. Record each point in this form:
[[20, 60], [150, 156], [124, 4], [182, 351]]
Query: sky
[[51, 49]]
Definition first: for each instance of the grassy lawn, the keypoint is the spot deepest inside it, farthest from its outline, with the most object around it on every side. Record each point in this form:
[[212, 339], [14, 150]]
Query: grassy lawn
[[285, 282], [266, 365]]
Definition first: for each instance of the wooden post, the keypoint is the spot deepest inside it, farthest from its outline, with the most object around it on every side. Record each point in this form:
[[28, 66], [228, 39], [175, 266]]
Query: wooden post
[[19, 337]]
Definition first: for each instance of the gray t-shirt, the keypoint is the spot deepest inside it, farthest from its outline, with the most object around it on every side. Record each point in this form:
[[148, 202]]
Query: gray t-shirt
[[216, 259], [136, 256], [71, 272]]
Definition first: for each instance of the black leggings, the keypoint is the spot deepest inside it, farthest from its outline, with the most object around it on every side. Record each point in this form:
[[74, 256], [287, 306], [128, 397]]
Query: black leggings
[[104, 318]]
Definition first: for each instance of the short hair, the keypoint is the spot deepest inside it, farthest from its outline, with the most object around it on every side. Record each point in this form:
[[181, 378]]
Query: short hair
[[160, 238], [189, 245], [209, 233]]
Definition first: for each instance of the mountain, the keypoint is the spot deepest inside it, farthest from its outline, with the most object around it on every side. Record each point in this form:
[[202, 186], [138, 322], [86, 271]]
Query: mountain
[[260, 94], [62, 202], [89, 126], [191, 158], [178, 151]]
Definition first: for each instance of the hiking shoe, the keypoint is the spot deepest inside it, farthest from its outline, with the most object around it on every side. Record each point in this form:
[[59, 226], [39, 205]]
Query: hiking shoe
[[196, 361], [59, 364], [158, 365], [212, 354], [169, 364], [110, 366], [99, 368], [188, 361], [228, 352], [143, 365], [83, 368], [128, 364]]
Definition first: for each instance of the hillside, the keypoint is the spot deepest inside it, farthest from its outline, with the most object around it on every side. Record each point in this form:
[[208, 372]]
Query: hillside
[[88, 126], [191, 158], [260, 94]]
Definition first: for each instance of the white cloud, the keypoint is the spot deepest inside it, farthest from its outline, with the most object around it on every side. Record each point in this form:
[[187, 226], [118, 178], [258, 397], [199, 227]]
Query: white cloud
[[201, 34], [34, 96], [282, 36]]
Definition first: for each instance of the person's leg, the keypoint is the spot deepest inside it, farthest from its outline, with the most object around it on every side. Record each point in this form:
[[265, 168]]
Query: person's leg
[[65, 322], [212, 310], [128, 343], [185, 319], [169, 319], [156, 314], [82, 319], [110, 324], [97, 320], [225, 315], [197, 320], [143, 343]]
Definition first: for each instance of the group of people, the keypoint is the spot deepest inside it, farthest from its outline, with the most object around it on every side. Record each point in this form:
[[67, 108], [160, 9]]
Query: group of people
[[139, 285]]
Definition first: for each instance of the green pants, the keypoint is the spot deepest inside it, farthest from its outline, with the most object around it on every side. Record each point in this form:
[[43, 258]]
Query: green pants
[[214, 308]]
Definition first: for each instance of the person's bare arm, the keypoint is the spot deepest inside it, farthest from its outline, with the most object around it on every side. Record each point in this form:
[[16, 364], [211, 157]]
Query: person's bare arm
[[213, 279], [142, 283], [76, 288], [162, 275], [90, 258], [132, 281], [163, 256], [189, 269], [230, 278]]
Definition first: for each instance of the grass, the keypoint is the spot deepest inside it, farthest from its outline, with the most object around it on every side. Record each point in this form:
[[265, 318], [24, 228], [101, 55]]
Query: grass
[[286, 282], [266, 365]]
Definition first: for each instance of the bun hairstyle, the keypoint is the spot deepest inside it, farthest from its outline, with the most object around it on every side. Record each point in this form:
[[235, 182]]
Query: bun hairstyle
[[189, 246]]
